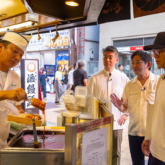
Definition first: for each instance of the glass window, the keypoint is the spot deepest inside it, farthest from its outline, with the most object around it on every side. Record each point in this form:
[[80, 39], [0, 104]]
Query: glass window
[[129, 42], [149, 40]]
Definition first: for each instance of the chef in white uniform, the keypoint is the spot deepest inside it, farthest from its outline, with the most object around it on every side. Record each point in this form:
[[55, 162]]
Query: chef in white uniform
[[101, 85], [12, 47]]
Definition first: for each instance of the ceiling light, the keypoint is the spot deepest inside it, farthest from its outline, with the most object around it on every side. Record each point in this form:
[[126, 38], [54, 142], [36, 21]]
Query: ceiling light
[[28, 23], [71, 3]]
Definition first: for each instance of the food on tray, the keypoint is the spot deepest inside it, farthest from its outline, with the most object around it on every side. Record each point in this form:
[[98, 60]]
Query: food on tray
[[32, 116], [38, 104]]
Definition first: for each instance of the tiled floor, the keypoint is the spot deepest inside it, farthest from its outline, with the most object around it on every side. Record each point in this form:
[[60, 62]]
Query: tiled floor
[[53, 110]]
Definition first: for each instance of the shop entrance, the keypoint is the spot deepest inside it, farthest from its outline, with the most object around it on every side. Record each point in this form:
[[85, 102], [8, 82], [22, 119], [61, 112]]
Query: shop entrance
[[125, 60]]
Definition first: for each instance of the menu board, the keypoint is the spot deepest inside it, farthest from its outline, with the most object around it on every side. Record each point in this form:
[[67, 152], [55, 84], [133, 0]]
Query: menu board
[[50, 70]]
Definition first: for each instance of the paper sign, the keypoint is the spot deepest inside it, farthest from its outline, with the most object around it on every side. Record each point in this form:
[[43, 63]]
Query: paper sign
[[94, 147]]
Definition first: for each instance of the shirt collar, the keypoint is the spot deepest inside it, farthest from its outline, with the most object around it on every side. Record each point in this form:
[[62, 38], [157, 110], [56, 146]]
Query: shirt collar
[[107, 73], [151, 77]]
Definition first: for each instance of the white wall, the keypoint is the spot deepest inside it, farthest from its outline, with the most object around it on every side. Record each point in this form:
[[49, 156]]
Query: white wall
[[92, 33], [135, 28], [49, 57], [86, 57]]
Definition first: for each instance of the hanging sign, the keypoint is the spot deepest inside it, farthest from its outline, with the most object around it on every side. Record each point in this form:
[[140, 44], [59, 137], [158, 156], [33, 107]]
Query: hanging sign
[[30, 82], [46, 43]]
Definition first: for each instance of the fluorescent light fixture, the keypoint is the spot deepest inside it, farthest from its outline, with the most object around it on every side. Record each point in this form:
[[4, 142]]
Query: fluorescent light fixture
[[28, 23], [71, 3], [3, 29]]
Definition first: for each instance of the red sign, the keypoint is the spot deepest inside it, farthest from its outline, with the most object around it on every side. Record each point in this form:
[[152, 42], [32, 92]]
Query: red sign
[[136, 48], [93, 124]]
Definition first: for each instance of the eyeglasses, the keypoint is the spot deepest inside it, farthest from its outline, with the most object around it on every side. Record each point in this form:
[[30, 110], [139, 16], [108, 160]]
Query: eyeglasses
[[156, 51]]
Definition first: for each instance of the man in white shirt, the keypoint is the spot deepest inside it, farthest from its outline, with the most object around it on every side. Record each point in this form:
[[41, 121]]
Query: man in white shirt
[[154, 143], [12, 47], [134, 100], [101, 85]]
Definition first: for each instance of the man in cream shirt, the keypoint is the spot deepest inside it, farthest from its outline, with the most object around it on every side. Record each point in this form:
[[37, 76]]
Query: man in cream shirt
[[154, 143], [137, 93], [101, 85], [12, 47]]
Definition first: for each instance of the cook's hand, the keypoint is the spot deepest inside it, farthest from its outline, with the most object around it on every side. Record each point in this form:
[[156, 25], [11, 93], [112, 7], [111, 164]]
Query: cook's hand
[[17, 95], [122, 119], [60, 85], [116, 101], [146, 147]]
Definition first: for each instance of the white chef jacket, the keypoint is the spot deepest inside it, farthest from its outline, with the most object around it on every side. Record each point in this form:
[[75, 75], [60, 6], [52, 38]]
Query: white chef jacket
[[12, 82], [70, 77], [135, 98], [7, 106], [158, 122], [101, 86]]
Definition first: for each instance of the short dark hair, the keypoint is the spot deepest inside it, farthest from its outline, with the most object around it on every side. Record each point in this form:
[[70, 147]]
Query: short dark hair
[[146, 57], [111, 49], [5, 43], [119, 65]]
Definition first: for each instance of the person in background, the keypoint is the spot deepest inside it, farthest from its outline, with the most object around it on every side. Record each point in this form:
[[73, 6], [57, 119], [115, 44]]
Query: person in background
[[75, 65], [58, 86], [139, 91], [120, 67], [65, 80], [70, 77], [40, 71], [80, 75], [154, 143], [43, 79], [101, 85]]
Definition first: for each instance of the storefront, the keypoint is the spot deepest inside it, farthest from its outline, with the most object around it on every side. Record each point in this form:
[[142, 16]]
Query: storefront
[[50, 53], [126, 47]]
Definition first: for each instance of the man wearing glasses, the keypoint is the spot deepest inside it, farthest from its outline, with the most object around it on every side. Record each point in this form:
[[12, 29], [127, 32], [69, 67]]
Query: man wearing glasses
[[137, 93], [101, 85], [154, 143]]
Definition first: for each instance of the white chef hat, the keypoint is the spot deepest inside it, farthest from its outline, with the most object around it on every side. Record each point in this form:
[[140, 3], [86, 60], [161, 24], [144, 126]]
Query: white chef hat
[[17, 39]]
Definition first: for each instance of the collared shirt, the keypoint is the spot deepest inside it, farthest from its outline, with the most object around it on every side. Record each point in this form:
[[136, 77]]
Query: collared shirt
[[158, 122], [135, 98], [101, 86], [12, 82]]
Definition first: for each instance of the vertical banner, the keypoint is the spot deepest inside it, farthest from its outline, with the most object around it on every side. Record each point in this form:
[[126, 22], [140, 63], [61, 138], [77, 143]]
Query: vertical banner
[[29, 82], [148, 7], [62, 58], [115, 10]]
